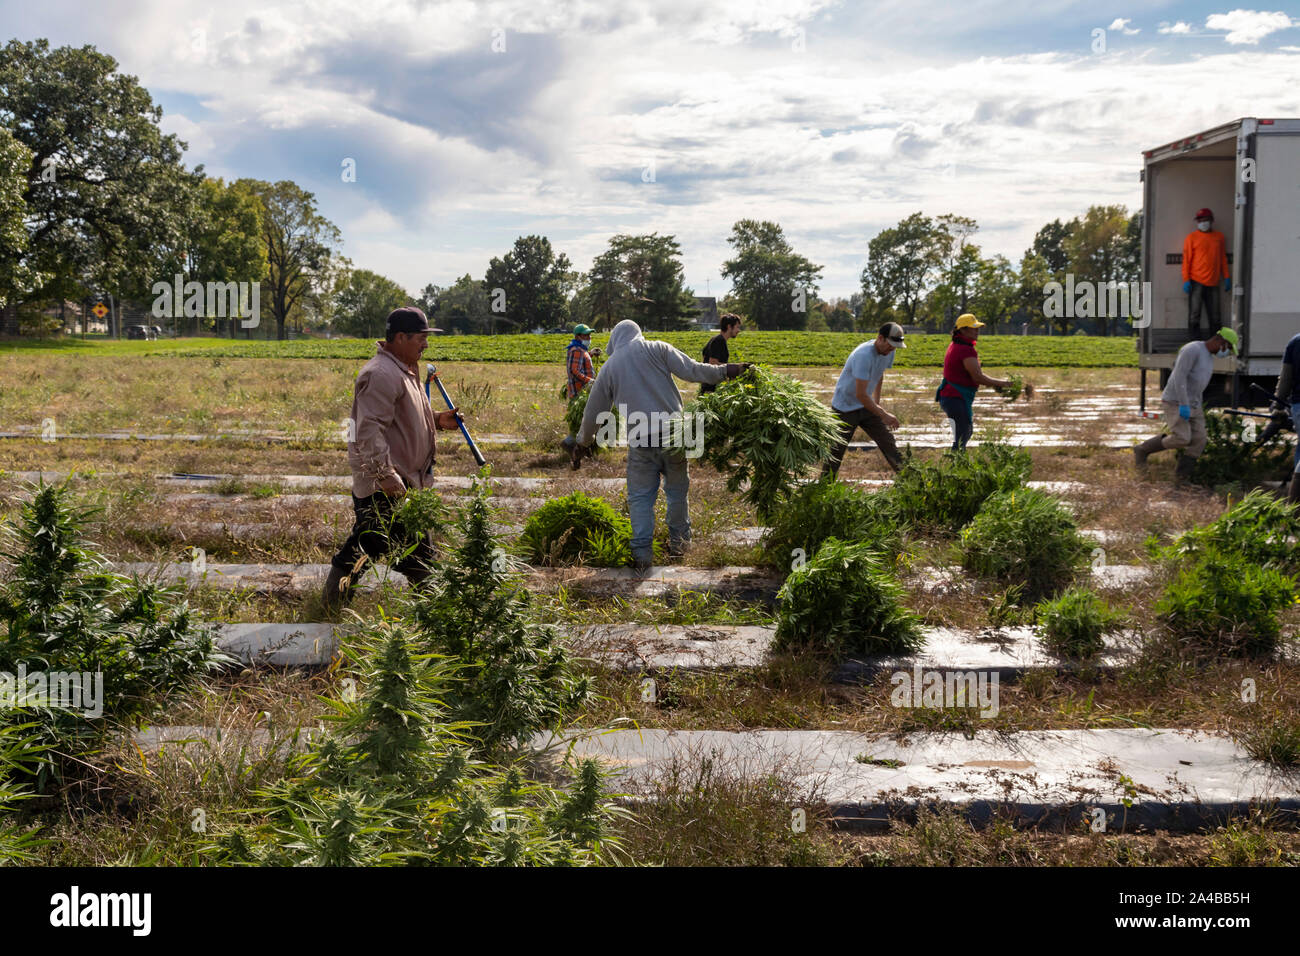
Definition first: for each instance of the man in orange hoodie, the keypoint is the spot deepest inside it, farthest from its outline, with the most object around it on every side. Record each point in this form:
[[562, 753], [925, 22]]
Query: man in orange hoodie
[[1205, 266]]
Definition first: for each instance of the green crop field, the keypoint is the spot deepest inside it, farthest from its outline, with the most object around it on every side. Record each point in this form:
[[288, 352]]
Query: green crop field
[[771, 348]]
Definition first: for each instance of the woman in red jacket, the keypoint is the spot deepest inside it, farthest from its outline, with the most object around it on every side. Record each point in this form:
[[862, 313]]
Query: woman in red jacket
[[962, 377]]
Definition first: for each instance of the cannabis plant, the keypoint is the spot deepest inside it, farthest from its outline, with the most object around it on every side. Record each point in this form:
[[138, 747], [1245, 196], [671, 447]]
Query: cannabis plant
[[1075, 623], [1025, 537], [515, 676], [944, 495], [116, 647], [845, 600], [829, 508], [1232, 458], [764, 431], [394, 782], [1260, 528], [20, 752], [577, 529], [1225, 603], [421, 511]]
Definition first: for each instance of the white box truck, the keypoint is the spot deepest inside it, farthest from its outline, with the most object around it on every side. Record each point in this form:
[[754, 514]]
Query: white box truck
[[1247, 173]]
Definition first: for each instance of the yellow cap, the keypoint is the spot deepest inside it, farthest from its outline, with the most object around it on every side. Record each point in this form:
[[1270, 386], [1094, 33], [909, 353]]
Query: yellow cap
[[968, 321]]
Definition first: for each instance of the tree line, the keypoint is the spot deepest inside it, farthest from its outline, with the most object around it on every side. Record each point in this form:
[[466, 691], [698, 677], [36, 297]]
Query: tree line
[[95, 199]]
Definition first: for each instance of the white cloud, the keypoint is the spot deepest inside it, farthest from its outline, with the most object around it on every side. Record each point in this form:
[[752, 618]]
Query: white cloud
[[1248, 26], [1120, 24], [460, 150]]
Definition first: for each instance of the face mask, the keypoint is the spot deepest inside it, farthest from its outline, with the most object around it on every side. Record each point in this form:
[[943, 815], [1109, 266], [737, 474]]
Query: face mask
[[1203, 225]]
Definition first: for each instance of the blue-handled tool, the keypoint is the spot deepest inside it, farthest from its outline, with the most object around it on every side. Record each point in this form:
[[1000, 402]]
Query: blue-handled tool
[[432, 376]]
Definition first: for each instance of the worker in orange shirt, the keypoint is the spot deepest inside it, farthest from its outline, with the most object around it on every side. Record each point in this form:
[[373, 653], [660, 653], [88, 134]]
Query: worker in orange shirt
[[1205, 266]]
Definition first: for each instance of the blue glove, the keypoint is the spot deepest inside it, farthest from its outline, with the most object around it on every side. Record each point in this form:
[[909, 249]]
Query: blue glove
[[1187, 286], [1227, 285], [1184, 411]]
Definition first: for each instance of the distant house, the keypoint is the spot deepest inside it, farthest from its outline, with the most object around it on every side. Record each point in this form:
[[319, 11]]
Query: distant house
[[708, 312]]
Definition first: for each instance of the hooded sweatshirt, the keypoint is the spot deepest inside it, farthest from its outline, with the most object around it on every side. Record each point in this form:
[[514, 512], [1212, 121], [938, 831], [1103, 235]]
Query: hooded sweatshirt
[[638, 377]]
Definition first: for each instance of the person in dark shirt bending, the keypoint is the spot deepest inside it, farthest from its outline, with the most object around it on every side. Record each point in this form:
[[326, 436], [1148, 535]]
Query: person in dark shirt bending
[[716, 352]]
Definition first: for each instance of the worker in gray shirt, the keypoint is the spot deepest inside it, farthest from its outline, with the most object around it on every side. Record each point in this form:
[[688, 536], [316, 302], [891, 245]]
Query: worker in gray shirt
[[1181, 400]]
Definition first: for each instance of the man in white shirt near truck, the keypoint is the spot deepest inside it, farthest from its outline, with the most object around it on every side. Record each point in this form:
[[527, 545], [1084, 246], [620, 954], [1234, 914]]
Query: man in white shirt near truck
[[1182, 402]]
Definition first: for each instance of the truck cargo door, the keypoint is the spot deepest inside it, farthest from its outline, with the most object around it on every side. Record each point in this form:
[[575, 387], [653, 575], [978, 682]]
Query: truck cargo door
[[1275, 247]]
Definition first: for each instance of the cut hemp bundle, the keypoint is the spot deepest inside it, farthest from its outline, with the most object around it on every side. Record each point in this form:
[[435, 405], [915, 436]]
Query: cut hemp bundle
[[764, 431]]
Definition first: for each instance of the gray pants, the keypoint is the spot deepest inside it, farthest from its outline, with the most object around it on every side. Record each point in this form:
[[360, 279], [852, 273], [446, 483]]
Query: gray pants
[[876, 430], [644, 466]]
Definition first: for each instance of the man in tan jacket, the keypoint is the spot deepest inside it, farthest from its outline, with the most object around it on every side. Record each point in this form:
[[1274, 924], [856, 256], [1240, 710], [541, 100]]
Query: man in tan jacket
[[390, 449]]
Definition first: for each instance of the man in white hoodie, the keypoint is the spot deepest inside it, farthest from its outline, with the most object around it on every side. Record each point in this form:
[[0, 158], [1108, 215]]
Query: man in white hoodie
[[637, 379]]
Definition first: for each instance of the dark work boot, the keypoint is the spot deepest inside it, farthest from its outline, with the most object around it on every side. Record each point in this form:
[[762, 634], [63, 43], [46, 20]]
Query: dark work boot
[[416, 575], [1141, 451], [1186, 465], [1293, 493]]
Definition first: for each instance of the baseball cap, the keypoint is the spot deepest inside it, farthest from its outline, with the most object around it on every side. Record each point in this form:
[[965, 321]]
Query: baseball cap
[[968, 321], [1203, 213], [1230, 336], [581, 329], [409, 319], [893, 332]]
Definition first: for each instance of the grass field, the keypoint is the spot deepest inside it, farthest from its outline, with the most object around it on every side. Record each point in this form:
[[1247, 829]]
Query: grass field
[[771, 348], [702, 815]]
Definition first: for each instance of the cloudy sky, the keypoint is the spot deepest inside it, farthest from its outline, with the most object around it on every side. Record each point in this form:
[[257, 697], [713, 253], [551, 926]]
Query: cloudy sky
[[473, 123]]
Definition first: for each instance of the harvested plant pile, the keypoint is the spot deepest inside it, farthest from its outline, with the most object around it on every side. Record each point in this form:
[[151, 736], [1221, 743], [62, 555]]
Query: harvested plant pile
[[765, 431], [1075, 624], [845, 600], [1228, 460], [577, 529], [829, 508], [1260, 528], [1223, 603], [577, 408], [1024, 537], [944, 495]]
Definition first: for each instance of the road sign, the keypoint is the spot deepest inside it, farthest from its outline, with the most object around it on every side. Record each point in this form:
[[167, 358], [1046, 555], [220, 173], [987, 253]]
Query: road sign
[[100, 310]]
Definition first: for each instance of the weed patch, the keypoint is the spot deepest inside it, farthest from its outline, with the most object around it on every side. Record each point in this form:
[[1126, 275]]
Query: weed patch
[[395, 783], [1230, 462]]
